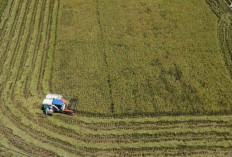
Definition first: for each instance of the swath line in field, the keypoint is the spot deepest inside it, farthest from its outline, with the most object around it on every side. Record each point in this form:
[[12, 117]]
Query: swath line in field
[[38, 40], [46, 47], [15, 49], [28, 41], [105, 58], [54, 45], [14, 42], [10, 32], [18, 55], [13, 28], [3, 28]]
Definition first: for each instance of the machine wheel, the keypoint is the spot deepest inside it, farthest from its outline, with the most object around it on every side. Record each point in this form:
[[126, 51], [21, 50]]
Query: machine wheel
[[48, 112], [45, 112], [72, 114]]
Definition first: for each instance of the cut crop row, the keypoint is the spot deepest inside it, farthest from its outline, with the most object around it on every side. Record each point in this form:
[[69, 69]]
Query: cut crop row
[[127, 123], [7, 38], [13, 51], [188, 151], [28, 67], [4, 17], [11, 36], [29, 28], [15, 68], [38, 49], [152, 126]]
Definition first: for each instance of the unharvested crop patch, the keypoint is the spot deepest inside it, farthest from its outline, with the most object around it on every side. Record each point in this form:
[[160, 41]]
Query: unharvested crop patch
[[142, 58]]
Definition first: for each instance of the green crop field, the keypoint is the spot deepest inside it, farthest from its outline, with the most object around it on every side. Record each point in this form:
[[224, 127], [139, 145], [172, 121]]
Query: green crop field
[[153, 77]]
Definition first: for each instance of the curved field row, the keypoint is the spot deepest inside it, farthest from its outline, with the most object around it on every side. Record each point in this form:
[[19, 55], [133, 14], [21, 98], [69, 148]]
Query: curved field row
[[27, 44]]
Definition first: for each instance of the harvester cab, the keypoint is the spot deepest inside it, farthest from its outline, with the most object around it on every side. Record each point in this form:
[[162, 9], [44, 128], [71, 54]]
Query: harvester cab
[[56, 103]]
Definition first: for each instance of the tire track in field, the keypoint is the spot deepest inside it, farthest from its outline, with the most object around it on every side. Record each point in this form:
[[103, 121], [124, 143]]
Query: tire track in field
[[54, 45], [105, 57]]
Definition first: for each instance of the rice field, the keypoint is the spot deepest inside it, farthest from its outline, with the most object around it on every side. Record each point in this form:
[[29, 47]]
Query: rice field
[[142, 58], [130, 64]]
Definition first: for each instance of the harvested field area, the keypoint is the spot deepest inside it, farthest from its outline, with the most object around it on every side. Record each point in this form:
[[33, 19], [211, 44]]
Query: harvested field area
[[125, 68]]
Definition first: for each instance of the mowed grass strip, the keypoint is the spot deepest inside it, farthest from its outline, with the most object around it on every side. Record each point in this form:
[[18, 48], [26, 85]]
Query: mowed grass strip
[[130, 57]]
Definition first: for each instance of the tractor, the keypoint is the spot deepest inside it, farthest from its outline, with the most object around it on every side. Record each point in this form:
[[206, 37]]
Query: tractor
[[56, 103]]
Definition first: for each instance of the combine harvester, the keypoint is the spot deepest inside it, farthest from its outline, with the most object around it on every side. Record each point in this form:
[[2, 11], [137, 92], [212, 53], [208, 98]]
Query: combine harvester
[[56, 103]]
